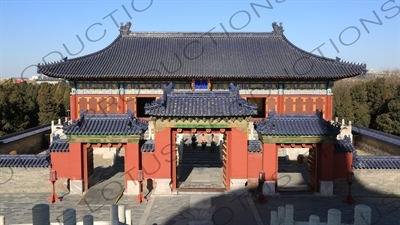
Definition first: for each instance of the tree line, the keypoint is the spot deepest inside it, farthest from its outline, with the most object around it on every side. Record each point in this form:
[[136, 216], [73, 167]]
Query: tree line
[[25, 105], [372, 103]]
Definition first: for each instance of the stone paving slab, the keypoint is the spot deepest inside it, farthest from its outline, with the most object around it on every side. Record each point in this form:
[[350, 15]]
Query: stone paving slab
[[222, 209]]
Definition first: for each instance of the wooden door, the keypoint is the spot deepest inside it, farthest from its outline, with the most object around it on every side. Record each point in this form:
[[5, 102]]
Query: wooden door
[[312, 169], [89, 168], [225, 168]]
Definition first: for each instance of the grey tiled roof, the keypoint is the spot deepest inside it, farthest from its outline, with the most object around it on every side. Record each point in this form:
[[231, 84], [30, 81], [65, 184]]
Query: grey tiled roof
[[25, 160], [344, 145], [376, 162], [202, 55], [296, 125], [254, 146], [389, 138], [106, 124], [201, 103], [148, 146], [59, 145], [24, 134]]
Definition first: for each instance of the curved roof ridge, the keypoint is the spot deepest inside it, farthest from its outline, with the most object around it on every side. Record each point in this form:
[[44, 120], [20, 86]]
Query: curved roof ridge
[[318, 57], [81, 57]]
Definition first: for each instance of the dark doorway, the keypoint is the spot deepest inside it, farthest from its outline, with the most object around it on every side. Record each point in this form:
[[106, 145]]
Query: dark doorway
[[141, 102]]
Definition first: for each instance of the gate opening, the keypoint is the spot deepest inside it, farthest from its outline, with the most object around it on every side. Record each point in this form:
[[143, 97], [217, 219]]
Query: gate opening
[[201, 161], [293, 173]]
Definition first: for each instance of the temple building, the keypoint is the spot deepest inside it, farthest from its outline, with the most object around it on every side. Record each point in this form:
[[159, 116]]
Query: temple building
[[248, 96]]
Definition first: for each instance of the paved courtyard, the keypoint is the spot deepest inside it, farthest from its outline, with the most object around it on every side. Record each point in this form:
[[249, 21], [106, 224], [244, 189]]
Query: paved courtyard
[[217, 209]]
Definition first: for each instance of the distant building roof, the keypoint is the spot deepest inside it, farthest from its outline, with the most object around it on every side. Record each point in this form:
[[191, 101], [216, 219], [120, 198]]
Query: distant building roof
[[296, 125], [267, 55], [106, 124], [201, 103]]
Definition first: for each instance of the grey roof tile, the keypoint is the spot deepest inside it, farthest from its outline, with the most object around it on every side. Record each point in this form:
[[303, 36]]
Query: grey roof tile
[[59, 145], [344, 145], [389, 138], [148, 146], [376, 162], [201, 103], [296, 125], [25, 160], [202, 55], [254, 146], [106, 124]]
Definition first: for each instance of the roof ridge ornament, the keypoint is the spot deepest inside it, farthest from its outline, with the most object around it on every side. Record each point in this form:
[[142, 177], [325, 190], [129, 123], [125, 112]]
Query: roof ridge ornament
[[125, 29], [278, 29]]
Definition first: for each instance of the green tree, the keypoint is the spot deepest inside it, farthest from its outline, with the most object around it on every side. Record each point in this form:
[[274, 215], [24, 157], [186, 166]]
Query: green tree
[[359, 99], [390, 122], [13, 108], [48, 108], [379, 94], [343, 108]]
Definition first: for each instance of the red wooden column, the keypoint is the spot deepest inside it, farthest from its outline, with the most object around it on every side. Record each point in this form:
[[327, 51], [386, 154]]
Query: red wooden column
[[131, 167], [270, 161], [73, 108], [76, 167], [329, 107]]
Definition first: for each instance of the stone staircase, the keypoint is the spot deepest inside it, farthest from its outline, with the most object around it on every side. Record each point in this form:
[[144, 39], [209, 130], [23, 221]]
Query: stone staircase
[[201, 158]]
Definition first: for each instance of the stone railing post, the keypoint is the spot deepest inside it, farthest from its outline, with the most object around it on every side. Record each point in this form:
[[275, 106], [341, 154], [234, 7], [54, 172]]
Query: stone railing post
[[313, 220], [121, 214], [41, 214], [88, 220], [362, 215], [334, 217], [69, 216], [114, 215], [274, 218], [128, 217], [289, 215], [281, 214], [2, 220]]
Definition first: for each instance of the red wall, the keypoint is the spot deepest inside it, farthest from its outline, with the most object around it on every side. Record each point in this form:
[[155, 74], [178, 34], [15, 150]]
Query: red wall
[[75, 166], [342, 164], [131, 161], [254, 164], [237, 153], [158, 164], [270, 161], [60, 162], [326, 161]]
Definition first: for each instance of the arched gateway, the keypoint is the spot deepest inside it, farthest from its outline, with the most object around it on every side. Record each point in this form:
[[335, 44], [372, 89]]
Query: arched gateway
[[254, 99]]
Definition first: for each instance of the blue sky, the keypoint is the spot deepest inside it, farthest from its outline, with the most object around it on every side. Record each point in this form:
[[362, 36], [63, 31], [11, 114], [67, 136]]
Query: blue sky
[[30, 30]]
